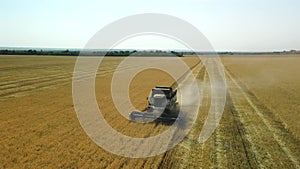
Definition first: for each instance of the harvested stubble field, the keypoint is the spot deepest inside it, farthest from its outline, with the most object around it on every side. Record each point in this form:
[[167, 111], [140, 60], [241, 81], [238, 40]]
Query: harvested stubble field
[[259, 127]]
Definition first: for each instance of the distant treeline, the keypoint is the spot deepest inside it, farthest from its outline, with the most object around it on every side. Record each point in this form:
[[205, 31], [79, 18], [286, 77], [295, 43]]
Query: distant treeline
[[130, 53], [39, 52], [92, 53]]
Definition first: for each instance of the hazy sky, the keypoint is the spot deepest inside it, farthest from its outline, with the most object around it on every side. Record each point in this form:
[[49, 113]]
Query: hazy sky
[[243, 25]]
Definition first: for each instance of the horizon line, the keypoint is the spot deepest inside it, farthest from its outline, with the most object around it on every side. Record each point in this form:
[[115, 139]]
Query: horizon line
[[125, 49]]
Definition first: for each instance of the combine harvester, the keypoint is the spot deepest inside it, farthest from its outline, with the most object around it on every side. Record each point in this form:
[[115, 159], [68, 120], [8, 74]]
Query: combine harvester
[[162, 105]]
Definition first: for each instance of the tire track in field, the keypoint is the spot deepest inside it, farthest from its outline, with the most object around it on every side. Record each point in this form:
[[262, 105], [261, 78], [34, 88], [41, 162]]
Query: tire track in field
[[191, 140], [213, 153], [227, 147], [205, 96], [170, 159], [190, 153], [269, 127], [233, 132], [188, 143], [245, 146]]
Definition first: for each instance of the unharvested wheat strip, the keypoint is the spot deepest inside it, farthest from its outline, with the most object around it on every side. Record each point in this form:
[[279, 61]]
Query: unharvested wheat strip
[[189, 147], [117, 163], [268, 125], [219, 148], [195, 70], [134, 163], [187, 143], [192, 135], [204, 87], [217, 142]]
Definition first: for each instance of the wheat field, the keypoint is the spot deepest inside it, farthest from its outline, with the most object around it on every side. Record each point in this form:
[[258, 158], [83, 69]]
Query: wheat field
[[259, 127]]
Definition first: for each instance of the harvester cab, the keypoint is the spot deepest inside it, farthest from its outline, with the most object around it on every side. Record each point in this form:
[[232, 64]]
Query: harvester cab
[[162, 98], [162, 105]]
